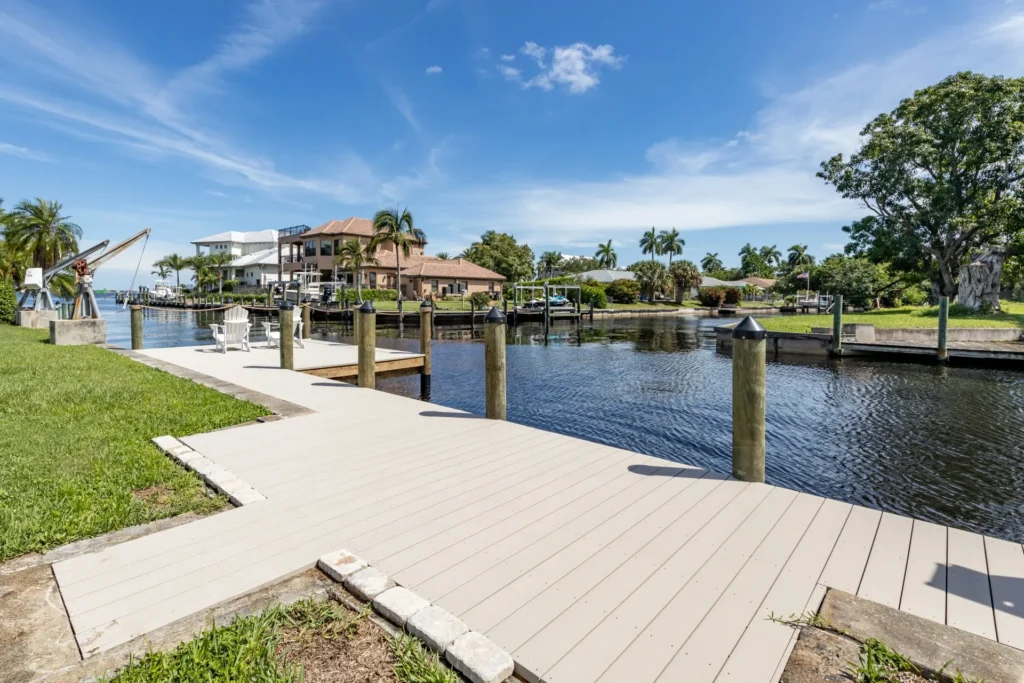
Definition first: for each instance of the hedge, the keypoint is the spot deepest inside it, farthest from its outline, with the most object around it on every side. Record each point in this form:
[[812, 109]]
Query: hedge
[[733, 295], [623, 291], [368, 294], [711, 296], [8, 301]]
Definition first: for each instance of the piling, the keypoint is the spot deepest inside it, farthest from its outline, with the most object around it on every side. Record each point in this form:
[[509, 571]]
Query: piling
[[943, 350], [748, 403], [287, 338], [837, 325], [426, 311], [136, 327], [307, 315], [367, 341], [472, 318], [547, 309], [494, 363]]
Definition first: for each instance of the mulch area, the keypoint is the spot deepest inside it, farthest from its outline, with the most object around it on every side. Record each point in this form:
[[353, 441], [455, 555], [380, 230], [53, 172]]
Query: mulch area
[[358, 653]]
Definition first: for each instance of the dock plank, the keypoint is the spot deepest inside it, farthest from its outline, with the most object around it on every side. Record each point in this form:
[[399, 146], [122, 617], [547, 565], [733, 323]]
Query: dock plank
[[845, 567], [887, 564], [924, 588], [1006, 577], [968, 597]]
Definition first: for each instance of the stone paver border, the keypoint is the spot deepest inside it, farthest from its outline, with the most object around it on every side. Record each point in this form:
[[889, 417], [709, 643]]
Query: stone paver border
[[237, 491], [470, 653]]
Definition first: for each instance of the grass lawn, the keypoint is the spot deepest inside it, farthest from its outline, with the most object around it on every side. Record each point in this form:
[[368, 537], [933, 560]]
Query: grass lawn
[[312, 640], [907, 316], [75, 453]]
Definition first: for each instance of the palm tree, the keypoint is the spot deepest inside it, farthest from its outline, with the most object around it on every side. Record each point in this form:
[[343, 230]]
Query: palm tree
[[161, 269], [177, 263], [711, 262], [443, 255], [391, 226], [606, 256], [219, 262], [14, 261], [798, 257], [39, 228], [671, 243], [549, 260], [354, 256], [649, 243], [771, 255], [200, 265], [747, 250]]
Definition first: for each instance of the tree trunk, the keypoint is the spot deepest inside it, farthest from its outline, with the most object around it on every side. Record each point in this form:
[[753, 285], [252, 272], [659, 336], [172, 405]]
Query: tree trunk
[[398, 279], [979, 280]]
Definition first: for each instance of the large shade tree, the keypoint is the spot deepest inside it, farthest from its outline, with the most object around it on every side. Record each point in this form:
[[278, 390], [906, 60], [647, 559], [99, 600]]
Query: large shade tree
[[941, 176], [501, 253], [395, 227], [39, 228]]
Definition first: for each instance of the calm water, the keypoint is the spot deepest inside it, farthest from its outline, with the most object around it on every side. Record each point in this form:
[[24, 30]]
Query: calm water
[[942, 444]]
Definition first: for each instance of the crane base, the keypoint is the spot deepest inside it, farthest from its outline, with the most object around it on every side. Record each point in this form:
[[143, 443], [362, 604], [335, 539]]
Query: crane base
[[39, 320], [78, 332]]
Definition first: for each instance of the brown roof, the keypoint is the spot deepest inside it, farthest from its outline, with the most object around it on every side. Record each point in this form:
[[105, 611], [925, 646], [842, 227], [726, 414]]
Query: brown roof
[[761, 282], [350, 227], [431, 266]]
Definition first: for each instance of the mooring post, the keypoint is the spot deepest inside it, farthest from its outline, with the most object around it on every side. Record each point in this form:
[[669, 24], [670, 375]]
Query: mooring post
[[136, 328], [287, 337], [367, 340], [472, 318], [748, 388], [494, 363], [307, 316], [433, 325], [425, 315], [943, 327], [591, 310], [547, 309], [837, 325]]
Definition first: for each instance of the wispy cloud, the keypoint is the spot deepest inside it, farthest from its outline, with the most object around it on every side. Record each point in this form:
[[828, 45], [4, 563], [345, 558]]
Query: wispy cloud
[[575, 67], [508, 58], [24, 153], [433, 70], [402, 104]]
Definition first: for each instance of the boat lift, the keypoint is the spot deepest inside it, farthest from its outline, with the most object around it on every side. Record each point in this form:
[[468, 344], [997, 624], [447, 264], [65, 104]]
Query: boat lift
[[37, 280], [85, 300]]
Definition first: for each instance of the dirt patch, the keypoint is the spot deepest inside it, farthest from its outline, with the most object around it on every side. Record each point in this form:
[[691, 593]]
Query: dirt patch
[[35, 636], [358, 653], [158, 498]]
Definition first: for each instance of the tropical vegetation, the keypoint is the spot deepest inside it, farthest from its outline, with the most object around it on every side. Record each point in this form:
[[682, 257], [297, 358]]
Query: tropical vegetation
[[352, 255], [548, 262], [606, 256], [711, 262], [652, 277], [650, 244], [670, 243], [501, 253], [175, 262], [685, 277]]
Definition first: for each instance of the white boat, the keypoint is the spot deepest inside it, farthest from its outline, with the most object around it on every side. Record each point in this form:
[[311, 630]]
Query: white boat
[[161, 290], [306, 285]]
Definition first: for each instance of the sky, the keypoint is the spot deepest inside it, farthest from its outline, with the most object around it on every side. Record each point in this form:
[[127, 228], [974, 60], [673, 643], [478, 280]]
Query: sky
[[565, 124]]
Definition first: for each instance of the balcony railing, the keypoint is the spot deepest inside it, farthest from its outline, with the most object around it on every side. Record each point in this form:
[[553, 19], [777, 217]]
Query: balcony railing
[[292, 231]]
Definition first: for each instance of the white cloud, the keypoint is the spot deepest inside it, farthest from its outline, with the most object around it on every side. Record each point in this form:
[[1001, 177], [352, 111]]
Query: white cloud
[[23, 153], [431, 70], [763, 175], [575, 66], [403, 105], [508, 58]]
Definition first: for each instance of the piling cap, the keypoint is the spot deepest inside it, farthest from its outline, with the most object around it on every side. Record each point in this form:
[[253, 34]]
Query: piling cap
[[494, 316], [286, 305], [367, 307], [425, 304], [748, 329]]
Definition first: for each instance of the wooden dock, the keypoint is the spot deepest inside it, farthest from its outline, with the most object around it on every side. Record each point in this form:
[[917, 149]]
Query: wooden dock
[[988, 350], [585, 562]]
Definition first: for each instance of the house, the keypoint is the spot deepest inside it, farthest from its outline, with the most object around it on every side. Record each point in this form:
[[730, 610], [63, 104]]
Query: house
[[606, 276], [255, 253], [315, 249]]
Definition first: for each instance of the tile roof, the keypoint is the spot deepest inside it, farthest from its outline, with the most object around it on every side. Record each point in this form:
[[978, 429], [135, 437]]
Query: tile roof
[[352, 226], [454, 268]]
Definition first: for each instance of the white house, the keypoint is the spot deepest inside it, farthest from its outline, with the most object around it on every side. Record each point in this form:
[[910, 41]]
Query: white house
[[255, 255]]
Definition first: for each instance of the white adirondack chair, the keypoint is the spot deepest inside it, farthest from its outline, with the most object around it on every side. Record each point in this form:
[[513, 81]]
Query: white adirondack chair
[[273, 331], [234, 329]]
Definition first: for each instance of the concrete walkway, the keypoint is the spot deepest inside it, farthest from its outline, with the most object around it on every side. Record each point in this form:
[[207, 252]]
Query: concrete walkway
[[585, 562]]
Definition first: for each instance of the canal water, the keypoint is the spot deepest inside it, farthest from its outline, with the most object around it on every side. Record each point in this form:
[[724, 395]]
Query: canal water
[[944, 444]]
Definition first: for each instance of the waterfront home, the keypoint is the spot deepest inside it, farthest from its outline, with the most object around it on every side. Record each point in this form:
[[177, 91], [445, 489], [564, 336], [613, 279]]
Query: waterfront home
[[606, 275], [314, 249], [256, 255]]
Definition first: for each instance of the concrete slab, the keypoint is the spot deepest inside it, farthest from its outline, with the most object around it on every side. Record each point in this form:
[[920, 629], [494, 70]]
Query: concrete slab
[[35, 635], [78, 332], [38, 320]]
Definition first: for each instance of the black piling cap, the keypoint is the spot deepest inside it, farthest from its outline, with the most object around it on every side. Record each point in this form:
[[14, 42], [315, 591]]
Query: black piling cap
[[286, 305], [367, 307], [425, 304], [748, 329], [494, 316], [305, 299]]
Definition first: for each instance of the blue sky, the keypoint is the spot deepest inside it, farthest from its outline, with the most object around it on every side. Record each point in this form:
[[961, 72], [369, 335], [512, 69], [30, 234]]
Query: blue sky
[[564, 123]]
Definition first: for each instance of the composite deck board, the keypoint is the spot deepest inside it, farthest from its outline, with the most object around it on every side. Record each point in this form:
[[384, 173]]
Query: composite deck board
[[585, 561], [968, 594], [924, 588], [887, 564]]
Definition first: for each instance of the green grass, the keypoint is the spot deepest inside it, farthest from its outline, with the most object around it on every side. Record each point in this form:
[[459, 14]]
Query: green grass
[[75, 430], [259, 648], [926, 316]]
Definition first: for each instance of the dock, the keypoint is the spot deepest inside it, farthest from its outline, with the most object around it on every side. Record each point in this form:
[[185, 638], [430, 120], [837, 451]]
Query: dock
[[584, 561], [979, 350]]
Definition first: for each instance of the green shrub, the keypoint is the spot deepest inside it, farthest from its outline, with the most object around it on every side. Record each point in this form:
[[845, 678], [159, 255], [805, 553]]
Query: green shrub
[[591, 294], [711, 296], [913, 296], [8, 301], [351, 295], [733, 296], [623, 291], [480, 299]]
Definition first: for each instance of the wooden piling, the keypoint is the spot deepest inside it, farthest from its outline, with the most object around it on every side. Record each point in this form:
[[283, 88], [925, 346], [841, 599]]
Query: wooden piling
[[547, 310], [943, 350], [748, 400], [837, 325], [307, 318], [494, 364], [286, 343], [472, 318], [367, 341], [426, 311], [136, 327]]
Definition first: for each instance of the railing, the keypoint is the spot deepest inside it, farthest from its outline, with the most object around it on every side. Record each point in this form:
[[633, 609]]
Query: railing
[[294, 230]]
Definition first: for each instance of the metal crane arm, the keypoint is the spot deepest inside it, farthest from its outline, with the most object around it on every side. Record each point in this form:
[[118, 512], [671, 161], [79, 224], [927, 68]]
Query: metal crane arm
[[95, 263], [50, 272]]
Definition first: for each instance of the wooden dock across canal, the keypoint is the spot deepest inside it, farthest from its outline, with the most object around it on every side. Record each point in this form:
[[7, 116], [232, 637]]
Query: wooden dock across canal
[[584, 561], [981, 350]]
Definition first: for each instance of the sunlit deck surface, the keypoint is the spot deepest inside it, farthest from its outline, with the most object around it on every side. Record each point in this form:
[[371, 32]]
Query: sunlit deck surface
[[585, 562]]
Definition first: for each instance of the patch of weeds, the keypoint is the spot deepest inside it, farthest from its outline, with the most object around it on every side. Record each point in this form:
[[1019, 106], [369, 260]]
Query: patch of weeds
[[807, 619], [880, 664], [415, 665]]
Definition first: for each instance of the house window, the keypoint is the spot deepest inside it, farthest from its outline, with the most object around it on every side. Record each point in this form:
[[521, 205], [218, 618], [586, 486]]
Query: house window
[[337, 246], [373, 280], [433, 285], [239, 273], [490, 286], [325, 248], [310, 248]]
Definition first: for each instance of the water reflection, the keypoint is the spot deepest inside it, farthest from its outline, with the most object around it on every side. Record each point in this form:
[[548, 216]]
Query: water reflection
[[943, 444]]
